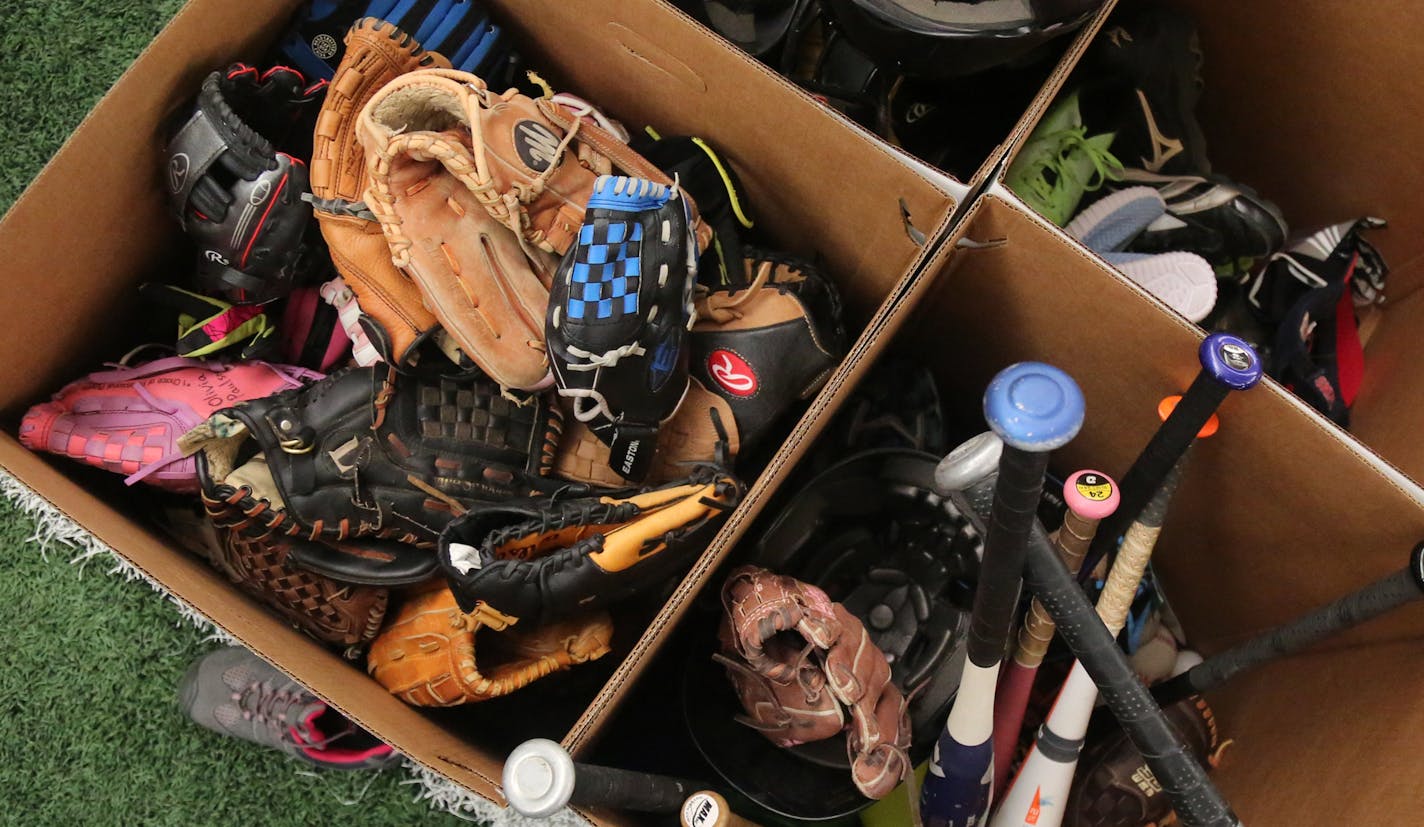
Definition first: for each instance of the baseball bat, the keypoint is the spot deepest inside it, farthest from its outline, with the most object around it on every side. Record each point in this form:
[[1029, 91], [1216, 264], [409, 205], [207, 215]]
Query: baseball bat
[[1090, 496], [1197, 801], [1039, 794], [1384, 595], [540, 778], [1034, 408], [1228, 363], [709, 809]]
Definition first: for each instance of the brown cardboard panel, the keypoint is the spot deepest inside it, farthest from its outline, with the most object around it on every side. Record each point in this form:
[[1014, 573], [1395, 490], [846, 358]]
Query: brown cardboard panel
[[77, 240], [1311, 104], [1279, 512], [1325, 739], [823, 187]]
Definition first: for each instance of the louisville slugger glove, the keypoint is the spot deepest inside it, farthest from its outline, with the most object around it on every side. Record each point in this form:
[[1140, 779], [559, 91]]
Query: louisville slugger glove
[[488, 286], [619, 315], [1114, 786], [361, 454], [805, 670], [341, 614], [543, 559], [391, 309], [426, 655], [236, 195], [129, 419], [459, 28]]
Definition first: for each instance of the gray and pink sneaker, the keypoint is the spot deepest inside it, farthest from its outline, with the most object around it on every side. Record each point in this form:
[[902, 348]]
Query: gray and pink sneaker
[[233, 692]]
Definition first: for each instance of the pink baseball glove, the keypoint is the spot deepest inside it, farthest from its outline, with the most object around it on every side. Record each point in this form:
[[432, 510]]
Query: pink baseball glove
[[128, 419]]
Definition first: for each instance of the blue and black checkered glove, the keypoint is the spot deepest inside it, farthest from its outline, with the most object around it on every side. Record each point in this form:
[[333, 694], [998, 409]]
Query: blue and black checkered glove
[[460, 30], [620, 310]]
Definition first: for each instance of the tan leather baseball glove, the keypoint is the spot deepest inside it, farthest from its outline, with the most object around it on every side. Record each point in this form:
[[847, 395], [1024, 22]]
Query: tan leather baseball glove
[[376, 53], [426, 654]]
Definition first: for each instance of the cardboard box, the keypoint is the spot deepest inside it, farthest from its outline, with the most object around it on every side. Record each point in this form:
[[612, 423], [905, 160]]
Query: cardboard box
[[640, 60], [1280, 512]]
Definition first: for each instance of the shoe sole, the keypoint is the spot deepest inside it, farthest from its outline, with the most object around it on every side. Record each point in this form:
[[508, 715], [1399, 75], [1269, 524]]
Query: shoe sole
[[1183, 281], [1112, 222]]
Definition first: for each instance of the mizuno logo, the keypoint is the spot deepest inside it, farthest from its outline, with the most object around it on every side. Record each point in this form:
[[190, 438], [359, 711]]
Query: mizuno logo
[[1164, 149], [537, 146]]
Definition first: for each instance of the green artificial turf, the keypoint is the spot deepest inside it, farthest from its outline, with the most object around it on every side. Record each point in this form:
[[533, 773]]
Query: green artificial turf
[[90, 733]]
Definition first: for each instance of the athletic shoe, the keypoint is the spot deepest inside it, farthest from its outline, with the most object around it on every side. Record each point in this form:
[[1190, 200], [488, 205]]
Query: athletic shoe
[[1144, 79], [1183, 281], [1060, 162], [1224, 222], [1113, 221], [233, 692]]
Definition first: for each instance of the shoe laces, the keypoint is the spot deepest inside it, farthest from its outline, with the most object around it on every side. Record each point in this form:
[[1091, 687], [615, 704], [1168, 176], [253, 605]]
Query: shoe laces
[[264, 704], [1072, 144]]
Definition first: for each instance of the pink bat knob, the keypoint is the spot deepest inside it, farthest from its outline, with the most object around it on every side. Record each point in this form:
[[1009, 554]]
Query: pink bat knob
[[1091, 495]]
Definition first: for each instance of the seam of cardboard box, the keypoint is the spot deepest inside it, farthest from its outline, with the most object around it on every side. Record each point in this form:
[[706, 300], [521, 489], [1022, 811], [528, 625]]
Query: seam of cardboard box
[[1316, 420], [721, 545]]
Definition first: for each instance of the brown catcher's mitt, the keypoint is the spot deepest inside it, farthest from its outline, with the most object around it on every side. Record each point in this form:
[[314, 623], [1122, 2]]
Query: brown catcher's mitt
[[368, 453], [1114, 786], [426, 655], [341, 614], [802, 665], [376, 53]]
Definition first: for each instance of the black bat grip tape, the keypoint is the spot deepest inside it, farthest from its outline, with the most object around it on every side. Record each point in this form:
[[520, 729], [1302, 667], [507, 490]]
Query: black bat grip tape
[[1378, 598], [1011, 518], [596, 786], [1167, 445], [1197, 801]]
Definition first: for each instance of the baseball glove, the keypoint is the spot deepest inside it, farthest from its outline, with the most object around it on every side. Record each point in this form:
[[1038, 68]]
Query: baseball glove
[[805, 669], [392, 312], [426, 654], [129, 419], [338, 613], [769, 345], [701, 425], [362, 455], [488, 287], [237, 196], [1114, 786], [619, 314], [543, 559]]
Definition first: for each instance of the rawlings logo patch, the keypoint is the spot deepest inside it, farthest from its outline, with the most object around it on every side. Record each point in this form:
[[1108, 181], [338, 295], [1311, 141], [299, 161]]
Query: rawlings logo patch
[[177, 172], [537, 145], [732, 372]]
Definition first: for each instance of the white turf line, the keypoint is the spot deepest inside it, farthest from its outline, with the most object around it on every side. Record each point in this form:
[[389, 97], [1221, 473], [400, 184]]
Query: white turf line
[[53, 527]]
